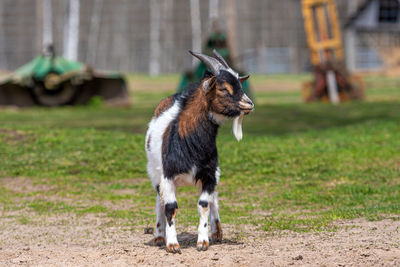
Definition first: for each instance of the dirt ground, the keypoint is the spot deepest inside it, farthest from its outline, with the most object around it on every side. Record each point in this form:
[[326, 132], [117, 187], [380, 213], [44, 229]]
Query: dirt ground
[[67, 240]]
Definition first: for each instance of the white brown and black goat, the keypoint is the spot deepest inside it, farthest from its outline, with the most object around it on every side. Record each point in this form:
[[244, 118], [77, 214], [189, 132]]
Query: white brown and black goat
[[181, 147]]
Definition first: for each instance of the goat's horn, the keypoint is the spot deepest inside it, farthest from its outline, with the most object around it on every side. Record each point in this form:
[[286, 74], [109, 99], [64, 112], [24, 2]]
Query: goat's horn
[[220, 59], [214, 65]]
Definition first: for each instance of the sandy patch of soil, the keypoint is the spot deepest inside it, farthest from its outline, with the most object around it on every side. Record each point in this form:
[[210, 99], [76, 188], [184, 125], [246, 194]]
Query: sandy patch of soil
[[23, 185], [68, 240]]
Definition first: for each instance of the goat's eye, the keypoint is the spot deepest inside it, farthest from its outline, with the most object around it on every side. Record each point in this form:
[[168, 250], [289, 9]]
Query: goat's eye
[[225, 90]]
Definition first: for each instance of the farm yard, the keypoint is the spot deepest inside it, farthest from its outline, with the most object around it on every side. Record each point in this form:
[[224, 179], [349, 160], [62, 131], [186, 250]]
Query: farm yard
[[313, 181], [309, 184]]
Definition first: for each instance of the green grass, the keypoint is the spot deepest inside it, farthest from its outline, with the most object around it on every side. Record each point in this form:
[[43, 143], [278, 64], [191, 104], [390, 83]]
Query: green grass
[[299, 166]]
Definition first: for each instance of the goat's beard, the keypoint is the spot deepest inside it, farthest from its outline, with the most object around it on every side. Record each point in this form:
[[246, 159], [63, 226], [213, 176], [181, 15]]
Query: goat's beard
[[237, 127]]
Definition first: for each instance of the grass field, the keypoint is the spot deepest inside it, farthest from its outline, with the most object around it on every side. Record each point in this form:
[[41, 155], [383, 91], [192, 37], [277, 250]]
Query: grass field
[[299, 167]]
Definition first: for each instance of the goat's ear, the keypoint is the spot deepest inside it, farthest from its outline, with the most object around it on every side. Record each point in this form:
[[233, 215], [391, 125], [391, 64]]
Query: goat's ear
[[207, 74], [243, 78], [208, 84]]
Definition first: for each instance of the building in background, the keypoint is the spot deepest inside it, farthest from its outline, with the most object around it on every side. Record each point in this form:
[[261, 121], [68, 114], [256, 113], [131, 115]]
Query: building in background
[[121, 34], [372, 36]]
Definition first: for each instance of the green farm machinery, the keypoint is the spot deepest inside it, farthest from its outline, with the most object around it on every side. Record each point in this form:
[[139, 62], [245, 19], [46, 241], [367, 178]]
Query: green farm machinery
[[50, 80]]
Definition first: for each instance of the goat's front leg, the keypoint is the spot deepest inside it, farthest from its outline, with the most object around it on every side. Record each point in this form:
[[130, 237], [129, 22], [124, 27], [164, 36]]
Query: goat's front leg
[[167, 192], [204, 210]]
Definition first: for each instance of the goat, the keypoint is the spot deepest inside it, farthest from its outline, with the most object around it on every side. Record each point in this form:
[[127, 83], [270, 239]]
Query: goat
[[181, 147]]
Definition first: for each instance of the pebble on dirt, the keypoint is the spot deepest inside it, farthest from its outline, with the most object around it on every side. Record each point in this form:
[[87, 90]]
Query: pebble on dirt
[[148, 231]]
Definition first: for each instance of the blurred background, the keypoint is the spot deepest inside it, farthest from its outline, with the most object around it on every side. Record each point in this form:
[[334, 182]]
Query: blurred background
[[153, 36], [353, 41], [329, 50]]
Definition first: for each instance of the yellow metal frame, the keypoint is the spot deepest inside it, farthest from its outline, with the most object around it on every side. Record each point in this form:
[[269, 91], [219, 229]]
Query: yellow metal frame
[[327, 47]]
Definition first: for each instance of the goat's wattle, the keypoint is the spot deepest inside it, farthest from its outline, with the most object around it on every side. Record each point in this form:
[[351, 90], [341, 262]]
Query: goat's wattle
[[237, 127]]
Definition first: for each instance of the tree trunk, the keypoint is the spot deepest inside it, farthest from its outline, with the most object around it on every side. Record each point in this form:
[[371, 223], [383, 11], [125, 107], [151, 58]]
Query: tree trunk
[[213, 13], [120, 51], [231, 28], [94, 31], [47, 26], [196, 28], [71, 49], [169, 40], [154, 67], [3, 55]]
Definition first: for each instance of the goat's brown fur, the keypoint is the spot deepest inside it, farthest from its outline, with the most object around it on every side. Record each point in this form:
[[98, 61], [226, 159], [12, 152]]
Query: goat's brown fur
[[228, 87], [159, 241], [195, 110], [173, 215], [164, 105], [199, 104], [217, 236]]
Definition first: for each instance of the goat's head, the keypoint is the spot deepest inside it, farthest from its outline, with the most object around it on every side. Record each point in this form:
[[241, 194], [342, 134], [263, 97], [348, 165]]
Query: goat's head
[[224, 86]]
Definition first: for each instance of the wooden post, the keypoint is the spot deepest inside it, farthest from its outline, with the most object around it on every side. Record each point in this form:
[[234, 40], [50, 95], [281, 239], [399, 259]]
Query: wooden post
[[94, 32], [332, 87]]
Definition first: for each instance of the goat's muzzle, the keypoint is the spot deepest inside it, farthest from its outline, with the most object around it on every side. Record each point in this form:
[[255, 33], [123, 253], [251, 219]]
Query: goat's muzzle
[[246, 105]]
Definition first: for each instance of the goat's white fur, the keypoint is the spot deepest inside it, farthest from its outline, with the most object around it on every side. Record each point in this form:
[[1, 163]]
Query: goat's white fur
[[157, 127], [160, 231], [167, 193], [204, 212]]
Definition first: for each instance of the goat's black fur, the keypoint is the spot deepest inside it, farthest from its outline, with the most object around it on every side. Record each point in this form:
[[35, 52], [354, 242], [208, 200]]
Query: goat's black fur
[[198, 149]]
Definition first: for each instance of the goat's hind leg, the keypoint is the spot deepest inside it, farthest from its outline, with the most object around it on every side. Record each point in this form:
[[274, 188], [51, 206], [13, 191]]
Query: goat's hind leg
[[159, 238], [167, 192], [216, 230]]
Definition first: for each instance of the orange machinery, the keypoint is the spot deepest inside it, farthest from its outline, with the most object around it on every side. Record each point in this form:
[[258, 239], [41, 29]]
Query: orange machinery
[[331, 80]]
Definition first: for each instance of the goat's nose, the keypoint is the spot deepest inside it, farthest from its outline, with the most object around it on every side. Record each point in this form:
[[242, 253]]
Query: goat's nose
[[246, 103]]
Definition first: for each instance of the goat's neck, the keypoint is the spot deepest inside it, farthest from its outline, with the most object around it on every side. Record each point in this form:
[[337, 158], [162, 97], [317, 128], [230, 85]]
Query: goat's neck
[[195, 115]]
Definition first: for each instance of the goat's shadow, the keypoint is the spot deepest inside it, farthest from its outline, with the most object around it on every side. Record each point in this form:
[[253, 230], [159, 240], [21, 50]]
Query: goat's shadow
[[189, 240]]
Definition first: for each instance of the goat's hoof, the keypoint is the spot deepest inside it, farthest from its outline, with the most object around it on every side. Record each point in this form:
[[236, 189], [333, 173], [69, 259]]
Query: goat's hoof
[[174, 248], [217, 236], [159, 241], [202, 245]]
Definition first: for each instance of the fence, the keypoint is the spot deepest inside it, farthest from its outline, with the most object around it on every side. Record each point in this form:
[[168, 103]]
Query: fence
[[130, 35]]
